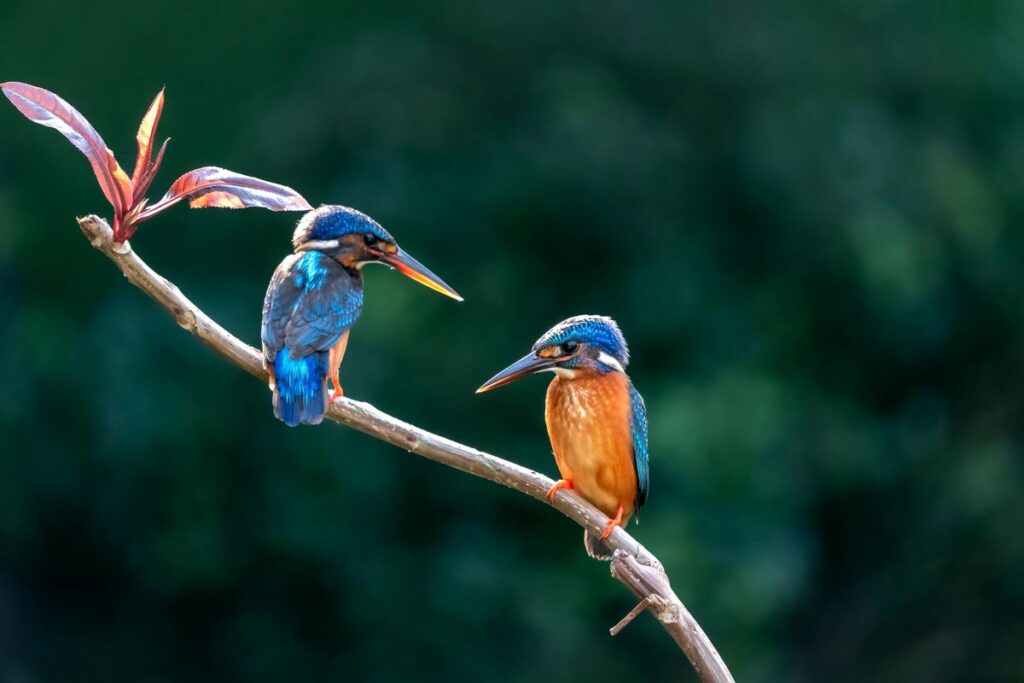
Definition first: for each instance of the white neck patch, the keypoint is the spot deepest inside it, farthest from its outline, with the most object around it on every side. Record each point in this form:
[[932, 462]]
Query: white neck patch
[[610, 361], [319, 245], [567, 373]]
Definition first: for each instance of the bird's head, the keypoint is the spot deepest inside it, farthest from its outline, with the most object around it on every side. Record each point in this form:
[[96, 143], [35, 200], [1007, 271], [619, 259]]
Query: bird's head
[[580, 344], [354, 240]]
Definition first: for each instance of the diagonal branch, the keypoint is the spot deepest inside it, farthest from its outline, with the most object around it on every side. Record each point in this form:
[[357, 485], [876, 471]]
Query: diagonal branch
[[633, 565]]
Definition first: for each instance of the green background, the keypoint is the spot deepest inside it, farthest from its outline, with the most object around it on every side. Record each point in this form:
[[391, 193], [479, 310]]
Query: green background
[[805, 217]]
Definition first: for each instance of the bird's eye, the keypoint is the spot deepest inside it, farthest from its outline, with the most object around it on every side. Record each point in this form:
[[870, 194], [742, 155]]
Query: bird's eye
[[370, 239], [570, 347]]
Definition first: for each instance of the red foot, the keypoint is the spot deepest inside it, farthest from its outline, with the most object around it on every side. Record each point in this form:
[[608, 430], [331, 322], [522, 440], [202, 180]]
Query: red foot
[[559, 485], [338, 393], [612, 523]]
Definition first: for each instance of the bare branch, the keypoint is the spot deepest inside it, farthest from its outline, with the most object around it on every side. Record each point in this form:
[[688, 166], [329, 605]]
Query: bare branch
[[633, 565], [633, 614], [643, 574]]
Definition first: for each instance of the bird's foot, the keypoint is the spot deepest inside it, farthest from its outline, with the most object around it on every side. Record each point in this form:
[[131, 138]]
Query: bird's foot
[[559, 485], [612, 523], [338, 393]]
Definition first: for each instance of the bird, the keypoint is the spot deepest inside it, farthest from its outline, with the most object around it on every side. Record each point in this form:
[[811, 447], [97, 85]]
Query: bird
[[595, 417], [315, 297]]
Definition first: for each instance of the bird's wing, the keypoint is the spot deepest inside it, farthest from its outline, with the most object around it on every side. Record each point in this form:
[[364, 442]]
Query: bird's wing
[[310, 304], [324, 314], [278, 304], [638, 424]]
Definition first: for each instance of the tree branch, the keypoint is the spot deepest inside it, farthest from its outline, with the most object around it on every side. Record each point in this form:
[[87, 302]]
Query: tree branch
[[633, 565]]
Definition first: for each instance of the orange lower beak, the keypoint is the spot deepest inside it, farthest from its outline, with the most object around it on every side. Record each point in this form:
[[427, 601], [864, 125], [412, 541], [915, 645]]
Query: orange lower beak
[[413, 269]]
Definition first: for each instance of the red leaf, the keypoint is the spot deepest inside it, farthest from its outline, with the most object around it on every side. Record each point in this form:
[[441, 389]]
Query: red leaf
[[218, 199], [147, 129], [212, 186], [45, 108], [142, 185]]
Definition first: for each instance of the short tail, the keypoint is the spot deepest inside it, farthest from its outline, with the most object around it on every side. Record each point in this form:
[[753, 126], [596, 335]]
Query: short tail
[[596, 548], [300, 388]]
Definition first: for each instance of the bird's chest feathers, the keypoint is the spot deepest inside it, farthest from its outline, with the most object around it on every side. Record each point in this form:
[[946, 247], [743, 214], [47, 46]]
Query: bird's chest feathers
[[588, 422]]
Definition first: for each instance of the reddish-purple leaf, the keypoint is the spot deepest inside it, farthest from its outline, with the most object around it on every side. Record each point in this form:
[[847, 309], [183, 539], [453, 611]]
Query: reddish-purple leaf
[[212, 186], [217, 199], [45, 108], [147, 129], [142, 185]]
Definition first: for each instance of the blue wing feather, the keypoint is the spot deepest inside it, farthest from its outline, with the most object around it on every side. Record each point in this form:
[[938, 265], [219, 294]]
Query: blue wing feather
[[310, 303], [322, 316], [638, 424], [281, 298]]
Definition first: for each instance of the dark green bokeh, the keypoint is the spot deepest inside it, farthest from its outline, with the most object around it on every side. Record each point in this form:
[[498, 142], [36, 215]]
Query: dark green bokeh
[[806, 220]]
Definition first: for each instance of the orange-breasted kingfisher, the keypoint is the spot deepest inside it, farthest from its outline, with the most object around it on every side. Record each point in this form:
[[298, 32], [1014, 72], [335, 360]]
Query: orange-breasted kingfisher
[[314, 298], [595, 417]]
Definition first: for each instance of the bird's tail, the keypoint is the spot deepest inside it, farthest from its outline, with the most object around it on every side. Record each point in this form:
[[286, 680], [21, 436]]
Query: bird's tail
[[300, 390], [596, 548]]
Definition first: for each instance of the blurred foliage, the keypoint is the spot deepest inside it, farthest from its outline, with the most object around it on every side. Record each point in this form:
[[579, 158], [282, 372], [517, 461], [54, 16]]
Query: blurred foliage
[[801, 214]]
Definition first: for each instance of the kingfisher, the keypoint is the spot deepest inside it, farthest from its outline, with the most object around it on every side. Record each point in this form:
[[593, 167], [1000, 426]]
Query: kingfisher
[[595, 417], [314, 298]]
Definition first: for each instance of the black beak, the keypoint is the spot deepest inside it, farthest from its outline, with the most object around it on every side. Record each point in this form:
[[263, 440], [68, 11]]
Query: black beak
[[527, 365]]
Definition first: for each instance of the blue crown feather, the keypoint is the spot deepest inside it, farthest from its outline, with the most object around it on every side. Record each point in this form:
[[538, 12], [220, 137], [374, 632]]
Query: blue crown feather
[[596, 330], [332, 221]]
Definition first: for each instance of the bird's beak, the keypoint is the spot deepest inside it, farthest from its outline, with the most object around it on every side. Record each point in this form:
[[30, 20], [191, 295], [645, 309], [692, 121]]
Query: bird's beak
[[527, 365], [413, 269]]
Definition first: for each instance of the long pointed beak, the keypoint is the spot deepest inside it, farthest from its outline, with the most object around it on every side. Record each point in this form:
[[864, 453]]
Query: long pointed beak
[[527, 365], [413, 269]]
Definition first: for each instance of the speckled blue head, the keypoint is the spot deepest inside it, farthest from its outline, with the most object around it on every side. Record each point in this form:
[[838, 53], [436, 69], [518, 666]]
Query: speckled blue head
[[332, 222], [580, 344], [354, 240], [597, 332]]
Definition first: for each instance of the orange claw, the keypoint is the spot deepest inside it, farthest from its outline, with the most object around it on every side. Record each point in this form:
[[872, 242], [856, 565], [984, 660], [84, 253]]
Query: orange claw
[[338, 393], [612, 523], [559, 485]]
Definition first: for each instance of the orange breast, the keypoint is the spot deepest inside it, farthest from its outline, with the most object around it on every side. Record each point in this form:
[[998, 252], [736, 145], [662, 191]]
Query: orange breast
[[588, 423]]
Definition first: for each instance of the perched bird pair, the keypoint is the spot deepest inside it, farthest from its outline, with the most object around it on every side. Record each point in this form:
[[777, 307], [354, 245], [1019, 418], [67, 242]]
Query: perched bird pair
[[595, 417]]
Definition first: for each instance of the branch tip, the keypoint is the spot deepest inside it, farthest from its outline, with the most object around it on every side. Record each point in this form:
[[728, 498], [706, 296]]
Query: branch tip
[[633, 614]]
